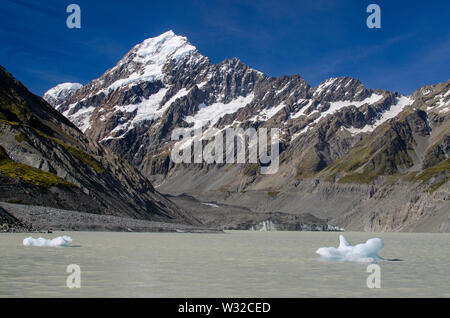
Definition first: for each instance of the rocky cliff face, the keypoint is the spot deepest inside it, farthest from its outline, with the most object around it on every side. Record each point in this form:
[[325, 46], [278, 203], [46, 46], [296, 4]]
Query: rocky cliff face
[[45, 160], [339, 132]]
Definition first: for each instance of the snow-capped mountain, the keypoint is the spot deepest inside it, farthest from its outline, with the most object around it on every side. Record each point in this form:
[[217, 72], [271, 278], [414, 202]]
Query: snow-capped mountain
[[58, 94], [164, 83]]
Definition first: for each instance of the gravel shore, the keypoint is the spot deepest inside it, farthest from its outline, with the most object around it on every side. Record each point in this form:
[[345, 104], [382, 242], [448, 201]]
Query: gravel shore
[[38, 218]]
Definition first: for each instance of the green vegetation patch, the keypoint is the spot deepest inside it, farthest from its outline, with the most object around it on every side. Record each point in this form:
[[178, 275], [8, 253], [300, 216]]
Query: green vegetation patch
[[12, 110], [410, 176], [14, 170], [10, 123], [393, 179], [76, 152], [20, 138], [14, 201], [373, 158], [442, 168], [352, 161], [3, 155], [85, 157], [439, 171], [437, 185]]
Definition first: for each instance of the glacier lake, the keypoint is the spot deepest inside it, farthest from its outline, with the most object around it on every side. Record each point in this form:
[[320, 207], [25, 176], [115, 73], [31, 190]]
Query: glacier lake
[[233, 264]]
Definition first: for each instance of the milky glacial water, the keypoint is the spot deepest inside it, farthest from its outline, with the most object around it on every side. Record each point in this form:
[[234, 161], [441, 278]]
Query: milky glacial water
[[235, 264]]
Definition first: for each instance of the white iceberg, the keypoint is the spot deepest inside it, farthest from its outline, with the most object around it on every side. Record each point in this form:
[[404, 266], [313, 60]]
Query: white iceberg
[[360, 253], [42, 242]]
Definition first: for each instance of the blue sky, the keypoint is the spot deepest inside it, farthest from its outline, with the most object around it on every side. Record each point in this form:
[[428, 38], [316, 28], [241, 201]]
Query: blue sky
[[317, 39]]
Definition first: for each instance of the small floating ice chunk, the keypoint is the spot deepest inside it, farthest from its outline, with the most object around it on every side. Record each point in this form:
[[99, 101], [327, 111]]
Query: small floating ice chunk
[[42, 242], [360, 253]]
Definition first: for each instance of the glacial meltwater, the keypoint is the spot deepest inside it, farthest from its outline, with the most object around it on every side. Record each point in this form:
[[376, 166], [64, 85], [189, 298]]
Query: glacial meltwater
[[234, 264]]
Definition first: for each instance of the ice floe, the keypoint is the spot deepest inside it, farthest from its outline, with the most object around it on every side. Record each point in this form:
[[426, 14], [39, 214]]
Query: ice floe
[[360, 253], [42, 242]]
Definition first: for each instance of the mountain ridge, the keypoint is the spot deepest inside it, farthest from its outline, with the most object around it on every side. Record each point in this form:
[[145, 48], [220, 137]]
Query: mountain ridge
[[322, 128]]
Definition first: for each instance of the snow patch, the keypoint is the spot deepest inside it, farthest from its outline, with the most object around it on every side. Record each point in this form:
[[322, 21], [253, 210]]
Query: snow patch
[[202, 84], [335, 106], [81, 118], [301, 132], [282, 89], [148, 109], [211, 205], [392, 112], [210, 115], [302, 111], [324, 85], [268, 113]]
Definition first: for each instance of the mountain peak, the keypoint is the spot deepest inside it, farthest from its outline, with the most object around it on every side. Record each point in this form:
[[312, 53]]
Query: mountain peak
[[161, 48], [339, 81], [145, 62], [61, 92], [341, 88], [169, 33]]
